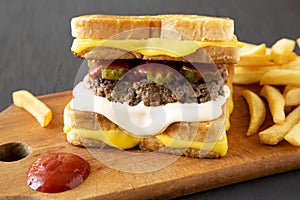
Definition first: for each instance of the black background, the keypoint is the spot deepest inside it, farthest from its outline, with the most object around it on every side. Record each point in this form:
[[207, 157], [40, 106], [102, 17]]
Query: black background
[[35, 54]]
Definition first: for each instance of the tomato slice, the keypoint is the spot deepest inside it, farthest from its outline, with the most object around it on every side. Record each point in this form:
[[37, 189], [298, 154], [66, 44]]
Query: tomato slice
[[155, 71]]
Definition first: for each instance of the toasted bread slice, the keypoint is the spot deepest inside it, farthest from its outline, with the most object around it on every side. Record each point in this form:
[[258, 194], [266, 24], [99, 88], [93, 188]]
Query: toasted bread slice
[[84, 129], [188, 27]]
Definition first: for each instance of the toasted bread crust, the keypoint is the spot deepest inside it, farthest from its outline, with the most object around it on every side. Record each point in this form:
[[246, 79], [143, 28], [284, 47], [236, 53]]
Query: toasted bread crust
[[153, 144], [195, 27], [188, 27]]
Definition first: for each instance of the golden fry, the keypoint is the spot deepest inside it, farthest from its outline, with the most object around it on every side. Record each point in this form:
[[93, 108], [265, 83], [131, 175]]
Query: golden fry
[[292, 96], [251, 49], [293, 65], [293, 136], [276, 103], [286, 89], [298, 42], [287, 108], [281, 77], [257, 111], [276, 133], [248, 75], [282, 51], [34, 106], [256, 60]]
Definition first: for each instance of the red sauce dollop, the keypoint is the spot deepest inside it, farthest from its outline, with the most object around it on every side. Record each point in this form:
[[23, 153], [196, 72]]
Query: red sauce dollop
[[57, 172]]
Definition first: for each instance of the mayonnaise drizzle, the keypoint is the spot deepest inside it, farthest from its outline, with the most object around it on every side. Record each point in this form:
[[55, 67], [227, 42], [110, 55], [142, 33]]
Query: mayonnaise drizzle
[[141, 120]]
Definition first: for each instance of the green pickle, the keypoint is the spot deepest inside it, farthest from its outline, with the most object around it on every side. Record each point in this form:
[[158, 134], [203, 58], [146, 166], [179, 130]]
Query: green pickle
[[159, 78], [190, 75], [113, 74]]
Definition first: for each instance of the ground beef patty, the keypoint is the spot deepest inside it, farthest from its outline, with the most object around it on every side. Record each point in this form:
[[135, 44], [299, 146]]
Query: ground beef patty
[[152, 94]]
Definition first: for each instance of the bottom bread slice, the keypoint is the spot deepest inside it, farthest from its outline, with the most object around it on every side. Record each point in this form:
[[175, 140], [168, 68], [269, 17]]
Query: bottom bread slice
[[193, 139]]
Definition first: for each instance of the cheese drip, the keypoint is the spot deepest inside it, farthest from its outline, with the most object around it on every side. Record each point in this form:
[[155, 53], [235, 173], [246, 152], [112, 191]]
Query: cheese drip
[[220, 146]]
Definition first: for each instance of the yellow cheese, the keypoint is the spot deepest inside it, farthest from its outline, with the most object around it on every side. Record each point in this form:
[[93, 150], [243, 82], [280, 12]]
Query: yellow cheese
[[115, 138], [229, 111], [122, 140], [151, 46], [219, 146]]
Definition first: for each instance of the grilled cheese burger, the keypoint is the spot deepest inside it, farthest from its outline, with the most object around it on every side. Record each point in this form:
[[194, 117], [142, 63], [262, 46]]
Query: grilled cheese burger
[[159, 83]]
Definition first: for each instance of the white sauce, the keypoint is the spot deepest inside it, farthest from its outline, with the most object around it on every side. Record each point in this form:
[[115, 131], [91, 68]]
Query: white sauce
[[142, 120]]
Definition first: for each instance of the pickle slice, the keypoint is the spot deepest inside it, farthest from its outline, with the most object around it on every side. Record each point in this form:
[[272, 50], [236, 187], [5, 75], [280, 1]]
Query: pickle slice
[[113, 74], [194, 76], [190, 74], [159, 78]]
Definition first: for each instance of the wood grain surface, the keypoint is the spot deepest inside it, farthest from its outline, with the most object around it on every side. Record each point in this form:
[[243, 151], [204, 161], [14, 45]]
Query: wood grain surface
[[246, 159]]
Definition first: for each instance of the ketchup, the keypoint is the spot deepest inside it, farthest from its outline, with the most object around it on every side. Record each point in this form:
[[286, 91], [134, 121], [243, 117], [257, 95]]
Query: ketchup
[[57, 172]]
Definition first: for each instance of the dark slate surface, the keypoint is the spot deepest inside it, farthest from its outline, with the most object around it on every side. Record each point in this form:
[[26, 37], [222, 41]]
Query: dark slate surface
[[35, 54]]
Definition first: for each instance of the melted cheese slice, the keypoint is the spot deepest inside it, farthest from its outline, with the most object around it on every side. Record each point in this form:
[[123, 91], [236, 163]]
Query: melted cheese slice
[[114, 138], [122, 140], [219, 146], [151, 46]]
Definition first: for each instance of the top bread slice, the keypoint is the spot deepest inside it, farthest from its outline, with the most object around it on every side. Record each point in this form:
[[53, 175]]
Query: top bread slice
[[178, 26]]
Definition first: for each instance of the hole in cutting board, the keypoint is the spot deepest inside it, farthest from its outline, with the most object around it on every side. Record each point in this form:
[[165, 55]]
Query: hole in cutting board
[[14, 151]]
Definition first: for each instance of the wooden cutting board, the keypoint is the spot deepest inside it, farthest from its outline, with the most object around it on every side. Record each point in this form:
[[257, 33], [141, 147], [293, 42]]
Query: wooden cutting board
[[246, 159]]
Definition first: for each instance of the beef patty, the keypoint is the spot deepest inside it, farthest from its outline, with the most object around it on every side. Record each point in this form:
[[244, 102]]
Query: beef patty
[[135, 85]]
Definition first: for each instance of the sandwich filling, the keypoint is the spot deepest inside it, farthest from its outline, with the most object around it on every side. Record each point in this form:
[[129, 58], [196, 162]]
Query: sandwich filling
[[156, 83], [145, 97]]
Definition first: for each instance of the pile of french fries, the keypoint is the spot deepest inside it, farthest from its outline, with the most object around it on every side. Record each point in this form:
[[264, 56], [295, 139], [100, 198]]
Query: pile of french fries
[[278, 65]]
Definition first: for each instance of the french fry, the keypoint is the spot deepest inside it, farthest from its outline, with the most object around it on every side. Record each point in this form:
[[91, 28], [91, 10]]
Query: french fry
[[286, 89], [289, 57], [250, 49], [293, 136], [256, 60], [34, 106], [257, 111], [293, 65], [274, 134], [249, 74], [298, 42], [276, 103], [292, 96], [281, 77], [287, 108], [282, 50]]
